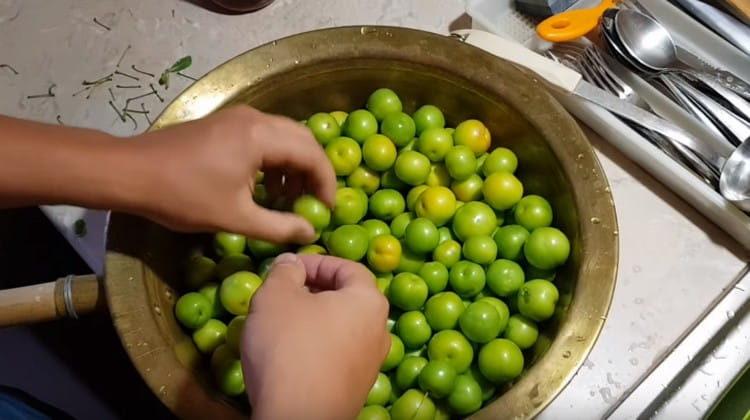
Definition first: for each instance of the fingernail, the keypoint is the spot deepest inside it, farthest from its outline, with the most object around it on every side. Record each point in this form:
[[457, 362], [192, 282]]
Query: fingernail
[[286, 258]]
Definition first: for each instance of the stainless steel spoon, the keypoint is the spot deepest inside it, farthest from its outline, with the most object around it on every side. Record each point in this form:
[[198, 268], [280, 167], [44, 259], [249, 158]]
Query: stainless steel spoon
[[645, 42], [734, 183], [688, 61], [617, 49], [610, 35]]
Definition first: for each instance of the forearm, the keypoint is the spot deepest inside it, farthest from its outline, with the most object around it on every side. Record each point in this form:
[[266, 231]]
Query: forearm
[[45, 164]]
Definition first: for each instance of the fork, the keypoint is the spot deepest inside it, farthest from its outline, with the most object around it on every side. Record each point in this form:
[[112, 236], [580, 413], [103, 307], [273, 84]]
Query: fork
[[589, 61]]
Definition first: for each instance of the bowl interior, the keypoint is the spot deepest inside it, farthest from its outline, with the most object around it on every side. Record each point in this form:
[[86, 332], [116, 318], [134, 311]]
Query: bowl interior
[[462, 81]]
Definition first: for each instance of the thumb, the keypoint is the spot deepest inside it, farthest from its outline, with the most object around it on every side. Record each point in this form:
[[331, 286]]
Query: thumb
[[276, 226], [287, 272]]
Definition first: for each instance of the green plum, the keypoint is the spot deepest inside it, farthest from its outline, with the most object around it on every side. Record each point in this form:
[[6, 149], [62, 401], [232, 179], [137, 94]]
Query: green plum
[[349, 241], [383, 102]]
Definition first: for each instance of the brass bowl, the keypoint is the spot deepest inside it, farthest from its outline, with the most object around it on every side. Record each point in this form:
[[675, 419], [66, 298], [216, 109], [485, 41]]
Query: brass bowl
[[335, 69]]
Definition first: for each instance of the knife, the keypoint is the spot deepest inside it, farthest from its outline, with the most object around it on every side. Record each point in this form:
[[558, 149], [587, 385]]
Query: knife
[[571, 82], [723, 24], [725, 78]]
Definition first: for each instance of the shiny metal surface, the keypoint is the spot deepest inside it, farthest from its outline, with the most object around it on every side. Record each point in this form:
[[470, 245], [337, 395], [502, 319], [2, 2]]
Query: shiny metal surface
[[684, 59], [735, 129], [614, 44], [725, 25], [734, 185], [681, 99], [645, 40], [739, 104], [711, 115], [652, 122], [735, 177], [337, 69], [589, 61], [726, 79]]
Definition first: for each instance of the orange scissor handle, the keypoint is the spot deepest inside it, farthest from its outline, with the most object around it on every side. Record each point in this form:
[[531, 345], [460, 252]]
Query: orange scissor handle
[[572, 24]]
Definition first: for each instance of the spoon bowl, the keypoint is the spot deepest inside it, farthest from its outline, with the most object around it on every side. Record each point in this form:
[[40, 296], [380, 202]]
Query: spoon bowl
[[614, 43], [735, 177], [645, 39]]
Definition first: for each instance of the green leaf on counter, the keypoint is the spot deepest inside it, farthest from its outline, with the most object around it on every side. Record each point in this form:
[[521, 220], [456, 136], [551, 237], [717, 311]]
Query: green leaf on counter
[[178, 66], [181, 64]]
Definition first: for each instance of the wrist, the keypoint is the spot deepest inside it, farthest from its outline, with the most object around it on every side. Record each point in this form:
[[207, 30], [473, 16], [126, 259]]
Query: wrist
[[130, 175], [312, 399], [101, 171], [109, 174]]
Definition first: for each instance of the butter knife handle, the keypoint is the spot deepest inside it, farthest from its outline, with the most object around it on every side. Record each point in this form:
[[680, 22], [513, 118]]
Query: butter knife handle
[[725, 79], [700, 69]]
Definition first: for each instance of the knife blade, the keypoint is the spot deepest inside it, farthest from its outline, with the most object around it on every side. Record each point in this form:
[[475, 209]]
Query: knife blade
[[724, 77], [652, 122], [737, 33]]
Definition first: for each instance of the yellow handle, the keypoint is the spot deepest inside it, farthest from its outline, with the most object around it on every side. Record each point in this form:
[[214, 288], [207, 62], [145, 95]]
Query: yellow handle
[[572, 24]]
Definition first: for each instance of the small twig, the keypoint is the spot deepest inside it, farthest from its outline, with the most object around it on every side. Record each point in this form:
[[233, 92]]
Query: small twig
[[179, 73], [93, 89], [107, 78], [102, 25], [135, 123], [117, 111], [134, 111], [127, 102], [141, 71], [143, 107], [59, 120], [111, 94], [82, 90], [118, 72], [155, 92], [92, 86], [123, 56], [9, 67], [49, 94], [128, 86]]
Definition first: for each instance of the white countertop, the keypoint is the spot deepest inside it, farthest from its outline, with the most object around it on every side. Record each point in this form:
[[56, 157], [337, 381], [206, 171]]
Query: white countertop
[[673, 262]]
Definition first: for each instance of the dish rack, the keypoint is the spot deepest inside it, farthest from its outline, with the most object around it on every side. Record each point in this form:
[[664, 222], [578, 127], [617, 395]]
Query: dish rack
[[501, 18]]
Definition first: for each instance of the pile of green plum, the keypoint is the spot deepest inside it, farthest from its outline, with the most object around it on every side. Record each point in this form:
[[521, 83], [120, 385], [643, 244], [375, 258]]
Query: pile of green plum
[[465, 259]]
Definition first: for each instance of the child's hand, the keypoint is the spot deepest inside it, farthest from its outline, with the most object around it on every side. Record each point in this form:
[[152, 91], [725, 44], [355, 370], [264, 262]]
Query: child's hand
[[200, 174], [314, 355]]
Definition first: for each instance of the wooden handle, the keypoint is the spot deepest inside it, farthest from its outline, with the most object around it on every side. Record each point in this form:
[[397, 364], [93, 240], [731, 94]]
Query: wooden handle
[[740, 8], [70, 296]]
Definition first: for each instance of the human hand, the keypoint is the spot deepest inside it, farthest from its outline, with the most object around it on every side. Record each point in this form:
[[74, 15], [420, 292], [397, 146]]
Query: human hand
[[201, 174], [314, 355]]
